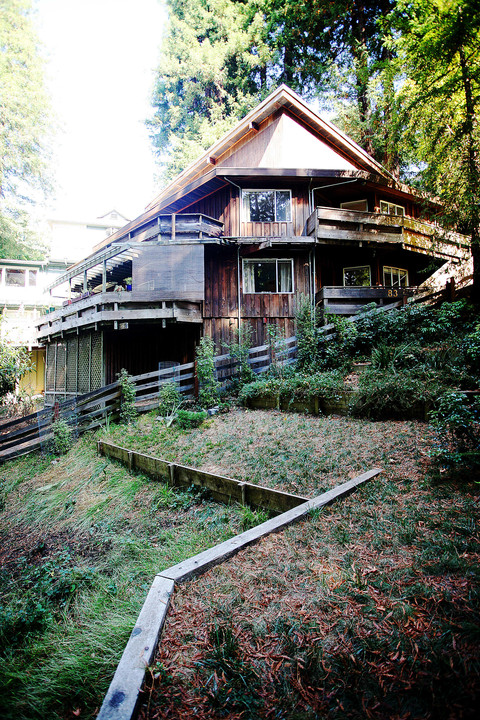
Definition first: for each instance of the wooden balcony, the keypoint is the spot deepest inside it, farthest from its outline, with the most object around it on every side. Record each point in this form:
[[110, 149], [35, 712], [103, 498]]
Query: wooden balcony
[[352, 227], [175, 229], [349, 300], [117, 310]]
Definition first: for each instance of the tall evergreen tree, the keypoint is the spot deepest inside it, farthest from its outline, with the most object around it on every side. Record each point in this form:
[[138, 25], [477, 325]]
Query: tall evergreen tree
[[221, 57], [204, 79], [440, 47], [24, 125]]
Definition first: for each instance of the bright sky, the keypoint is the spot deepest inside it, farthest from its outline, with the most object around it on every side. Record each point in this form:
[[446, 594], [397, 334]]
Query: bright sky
[[101, 56]]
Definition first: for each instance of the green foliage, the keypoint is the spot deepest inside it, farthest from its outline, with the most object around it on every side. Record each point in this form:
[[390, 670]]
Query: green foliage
[[252, 518], [62, 439], [393, 395], [439, 45], [297, 386], [387, 357], [457, 421], [14, 363], [232, 681], [128, 413], [188, 419], [239, 351], [471, 350], [47, 587], [209, 387], [306, 325], [170, 401], [24, 129], [221, 57]]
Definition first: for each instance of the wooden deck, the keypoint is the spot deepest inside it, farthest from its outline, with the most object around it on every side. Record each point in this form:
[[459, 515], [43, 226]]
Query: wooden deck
[[116, 309], [350, 300], [334, 225]]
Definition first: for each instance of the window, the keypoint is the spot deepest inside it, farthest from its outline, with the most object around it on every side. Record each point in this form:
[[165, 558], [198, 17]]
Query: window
[[32, 278], [267, 206], [268, 276], [14, 277], [391, 209], [357, 276], [359, 205], [395, 277]]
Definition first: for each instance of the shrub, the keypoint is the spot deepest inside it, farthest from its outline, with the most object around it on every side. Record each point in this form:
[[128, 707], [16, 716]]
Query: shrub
[[14, 363], [188, 419], [394, 395], [170, 401], [128, 412], [239, 351], [457, 422], [298, 386], [209, 387], [471, 350], [306, 326], [62, 437]]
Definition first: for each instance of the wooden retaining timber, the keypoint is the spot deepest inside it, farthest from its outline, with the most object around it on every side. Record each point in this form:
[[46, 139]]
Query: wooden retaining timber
[[222, 489], [121, 700]]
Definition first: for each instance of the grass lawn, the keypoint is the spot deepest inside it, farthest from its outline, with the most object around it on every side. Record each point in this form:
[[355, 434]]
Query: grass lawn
[[367, 609]]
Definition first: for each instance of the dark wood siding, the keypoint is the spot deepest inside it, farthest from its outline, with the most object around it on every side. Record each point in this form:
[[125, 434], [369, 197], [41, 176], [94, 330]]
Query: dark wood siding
[[140, 349], [221, 313], [222, 205]]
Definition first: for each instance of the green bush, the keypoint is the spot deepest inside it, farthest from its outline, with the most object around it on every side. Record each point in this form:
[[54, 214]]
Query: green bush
[[297, 386], [128, 412], [394, 395], [170, 401], [457, 422], [62, 439], [209, 387], [188, 419]]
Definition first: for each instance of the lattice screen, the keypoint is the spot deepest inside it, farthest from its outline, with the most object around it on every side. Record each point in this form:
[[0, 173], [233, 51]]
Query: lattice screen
[[96, 365], [74, 365], [84, 363], [72, 360], [60, 368]]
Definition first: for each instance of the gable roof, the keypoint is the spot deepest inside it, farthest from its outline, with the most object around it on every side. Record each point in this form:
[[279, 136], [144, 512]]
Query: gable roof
[[325, 146]]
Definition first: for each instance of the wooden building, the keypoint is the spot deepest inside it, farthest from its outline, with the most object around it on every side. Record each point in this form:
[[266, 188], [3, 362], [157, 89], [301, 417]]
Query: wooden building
[[283, 205]]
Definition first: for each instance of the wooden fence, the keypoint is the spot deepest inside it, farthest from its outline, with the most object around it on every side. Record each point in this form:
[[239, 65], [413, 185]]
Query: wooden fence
[[90, 410]]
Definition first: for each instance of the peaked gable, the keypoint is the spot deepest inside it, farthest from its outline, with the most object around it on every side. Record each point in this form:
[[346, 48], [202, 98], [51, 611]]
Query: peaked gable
[[286, 143], [293, 121]]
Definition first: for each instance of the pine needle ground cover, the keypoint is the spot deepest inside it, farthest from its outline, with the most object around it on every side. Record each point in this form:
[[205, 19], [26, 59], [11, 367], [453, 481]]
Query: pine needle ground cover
[[367, 609]]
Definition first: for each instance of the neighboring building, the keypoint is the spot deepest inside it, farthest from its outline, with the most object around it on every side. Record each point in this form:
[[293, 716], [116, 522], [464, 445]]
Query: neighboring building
[[22, 286], [71, 240], [283, 204]]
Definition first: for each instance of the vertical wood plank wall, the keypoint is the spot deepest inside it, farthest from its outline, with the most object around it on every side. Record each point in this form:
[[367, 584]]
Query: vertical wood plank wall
[[221, 312]]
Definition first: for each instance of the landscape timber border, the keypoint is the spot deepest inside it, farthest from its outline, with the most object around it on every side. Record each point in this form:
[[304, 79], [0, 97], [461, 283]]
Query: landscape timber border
[[222, 489], [122, 698]]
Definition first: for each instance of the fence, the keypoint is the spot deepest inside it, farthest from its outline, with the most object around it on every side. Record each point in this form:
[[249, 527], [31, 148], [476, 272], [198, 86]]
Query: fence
[[90, 410]]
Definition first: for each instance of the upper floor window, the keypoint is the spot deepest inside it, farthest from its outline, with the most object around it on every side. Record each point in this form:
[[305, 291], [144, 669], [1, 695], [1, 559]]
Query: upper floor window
[[359, 276], [15, 277], [395, 277], [267, 205], [18, 277], [268, 276], [389, 208]]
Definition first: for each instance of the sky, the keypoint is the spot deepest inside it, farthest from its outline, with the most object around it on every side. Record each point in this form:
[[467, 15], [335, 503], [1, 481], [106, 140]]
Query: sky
[[101, 55]]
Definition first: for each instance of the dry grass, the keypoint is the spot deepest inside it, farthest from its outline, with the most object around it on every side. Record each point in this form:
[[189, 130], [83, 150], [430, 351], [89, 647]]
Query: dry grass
[[295, 453], [366, 610]]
